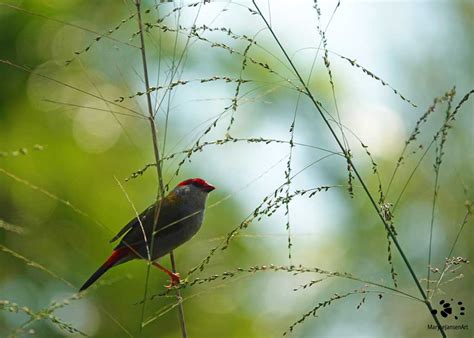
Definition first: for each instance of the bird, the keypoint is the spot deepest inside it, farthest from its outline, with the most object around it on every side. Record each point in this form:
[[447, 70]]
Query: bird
[[179, 217]]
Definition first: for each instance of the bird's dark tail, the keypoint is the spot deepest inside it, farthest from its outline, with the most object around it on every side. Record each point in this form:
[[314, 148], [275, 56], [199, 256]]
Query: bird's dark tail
[[116, 256]]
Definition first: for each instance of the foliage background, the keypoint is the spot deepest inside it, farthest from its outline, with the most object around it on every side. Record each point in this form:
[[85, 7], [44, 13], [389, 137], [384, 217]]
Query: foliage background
[[420, 48]]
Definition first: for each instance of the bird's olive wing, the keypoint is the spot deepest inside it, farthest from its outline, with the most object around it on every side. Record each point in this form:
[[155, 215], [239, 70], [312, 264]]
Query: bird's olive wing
[[168, 218], [147, 213]]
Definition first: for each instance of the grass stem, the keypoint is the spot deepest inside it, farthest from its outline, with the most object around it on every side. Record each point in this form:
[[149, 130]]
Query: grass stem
[[161, 189]]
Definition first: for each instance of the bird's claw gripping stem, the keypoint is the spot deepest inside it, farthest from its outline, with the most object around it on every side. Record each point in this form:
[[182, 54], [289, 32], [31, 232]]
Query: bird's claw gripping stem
[[174, 276], [175, 279]]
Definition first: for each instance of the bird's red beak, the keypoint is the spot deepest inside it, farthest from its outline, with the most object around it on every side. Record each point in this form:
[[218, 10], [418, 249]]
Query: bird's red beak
[[208, 187]]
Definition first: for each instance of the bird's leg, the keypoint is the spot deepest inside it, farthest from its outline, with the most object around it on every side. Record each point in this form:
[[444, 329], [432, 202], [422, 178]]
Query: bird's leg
[[174, 276]]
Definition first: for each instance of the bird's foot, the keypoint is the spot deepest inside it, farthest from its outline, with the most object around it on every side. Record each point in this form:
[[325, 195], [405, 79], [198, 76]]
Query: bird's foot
[[174, 280]]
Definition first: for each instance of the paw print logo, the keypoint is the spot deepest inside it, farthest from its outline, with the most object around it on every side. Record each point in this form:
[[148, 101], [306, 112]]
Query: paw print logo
[[447, 309]]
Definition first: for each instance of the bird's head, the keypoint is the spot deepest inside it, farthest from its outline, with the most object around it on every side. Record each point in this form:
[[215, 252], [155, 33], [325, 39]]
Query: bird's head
[[194, 190]]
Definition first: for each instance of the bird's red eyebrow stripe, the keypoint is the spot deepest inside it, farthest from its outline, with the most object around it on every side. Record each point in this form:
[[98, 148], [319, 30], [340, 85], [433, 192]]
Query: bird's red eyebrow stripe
[[197, 181]]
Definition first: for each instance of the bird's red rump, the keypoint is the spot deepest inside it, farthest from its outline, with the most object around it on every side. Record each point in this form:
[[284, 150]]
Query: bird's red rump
[[116, 256], [199, 182]]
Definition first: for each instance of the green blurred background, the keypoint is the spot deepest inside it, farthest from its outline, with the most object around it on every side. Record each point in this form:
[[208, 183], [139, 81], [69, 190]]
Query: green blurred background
[[59, 144]]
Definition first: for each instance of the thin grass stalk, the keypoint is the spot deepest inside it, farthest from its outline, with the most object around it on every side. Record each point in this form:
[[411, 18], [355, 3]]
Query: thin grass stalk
[[161, 189], [362, 182], [437, 166]]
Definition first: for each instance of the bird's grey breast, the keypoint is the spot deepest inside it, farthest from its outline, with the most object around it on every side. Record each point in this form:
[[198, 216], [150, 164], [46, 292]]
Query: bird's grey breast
[[183, 227], [191, 222]]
